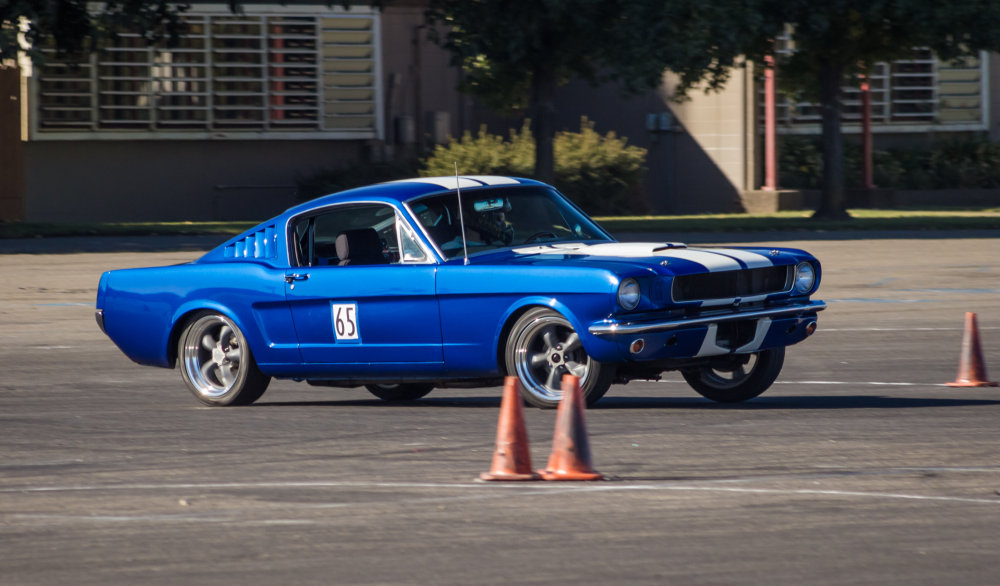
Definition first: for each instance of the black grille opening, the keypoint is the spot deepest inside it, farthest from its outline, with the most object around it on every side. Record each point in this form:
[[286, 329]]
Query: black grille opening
[[728, 284], [733, 334]]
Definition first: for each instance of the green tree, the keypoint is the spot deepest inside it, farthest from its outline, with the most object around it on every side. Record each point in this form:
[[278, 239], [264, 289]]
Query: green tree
[[70, 27], [835, 39], [516, 53]]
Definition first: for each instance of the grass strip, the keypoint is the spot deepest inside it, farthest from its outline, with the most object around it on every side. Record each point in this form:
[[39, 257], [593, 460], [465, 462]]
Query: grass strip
[[863, 219]]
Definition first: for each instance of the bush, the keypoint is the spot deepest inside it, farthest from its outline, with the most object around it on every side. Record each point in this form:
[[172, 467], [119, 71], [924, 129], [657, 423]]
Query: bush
[[954, 164], [483, 154], [601, 174], [966, 163], [800, 162]]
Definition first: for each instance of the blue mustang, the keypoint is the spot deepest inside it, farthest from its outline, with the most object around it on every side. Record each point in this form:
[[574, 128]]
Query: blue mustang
[[457, 281]]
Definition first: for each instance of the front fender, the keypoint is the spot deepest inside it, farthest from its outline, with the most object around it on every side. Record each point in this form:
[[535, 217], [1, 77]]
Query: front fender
[[598, 348]]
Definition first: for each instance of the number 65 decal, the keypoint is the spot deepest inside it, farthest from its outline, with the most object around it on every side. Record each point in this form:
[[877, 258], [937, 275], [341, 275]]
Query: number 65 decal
[[345, 321]]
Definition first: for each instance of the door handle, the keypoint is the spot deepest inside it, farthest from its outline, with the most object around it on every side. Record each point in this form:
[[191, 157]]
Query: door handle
[[292, 277]]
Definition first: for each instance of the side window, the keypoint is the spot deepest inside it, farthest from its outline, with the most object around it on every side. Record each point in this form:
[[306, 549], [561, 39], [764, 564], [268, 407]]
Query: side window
[[354, 235], [409, 247]]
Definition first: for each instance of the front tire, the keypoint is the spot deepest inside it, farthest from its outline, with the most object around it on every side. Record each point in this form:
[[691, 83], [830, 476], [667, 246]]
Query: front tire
[[541, 348], [737, 378], [400, 392], [216, 362]]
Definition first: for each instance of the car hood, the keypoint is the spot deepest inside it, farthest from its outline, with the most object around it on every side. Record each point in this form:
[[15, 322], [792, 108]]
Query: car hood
[[667, 258]]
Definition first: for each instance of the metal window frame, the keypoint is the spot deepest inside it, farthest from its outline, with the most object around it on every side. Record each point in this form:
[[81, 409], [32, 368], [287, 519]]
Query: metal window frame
[[211, 131], [888, 121]]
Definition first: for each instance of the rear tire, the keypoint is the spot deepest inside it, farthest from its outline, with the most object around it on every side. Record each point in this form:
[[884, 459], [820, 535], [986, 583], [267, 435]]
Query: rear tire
[[400, 392], [216, 363], [737, 378]]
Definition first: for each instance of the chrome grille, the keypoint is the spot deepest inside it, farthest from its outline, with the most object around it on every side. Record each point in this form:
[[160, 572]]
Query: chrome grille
[[731, 284]]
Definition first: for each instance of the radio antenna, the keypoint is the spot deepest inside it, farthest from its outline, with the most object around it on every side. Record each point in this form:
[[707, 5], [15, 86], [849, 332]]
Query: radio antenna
[[461, 217]]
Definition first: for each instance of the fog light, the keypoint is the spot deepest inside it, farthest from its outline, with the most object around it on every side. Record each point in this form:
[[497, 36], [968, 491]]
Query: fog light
[[636, 346]]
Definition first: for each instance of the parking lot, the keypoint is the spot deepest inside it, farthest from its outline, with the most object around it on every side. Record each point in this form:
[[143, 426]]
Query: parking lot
[[858, 466]]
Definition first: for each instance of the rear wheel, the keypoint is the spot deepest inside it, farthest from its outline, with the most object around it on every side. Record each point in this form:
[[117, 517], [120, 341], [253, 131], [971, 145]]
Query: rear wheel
[[216, 362], [400, 392], [737, 378], [541, 348]]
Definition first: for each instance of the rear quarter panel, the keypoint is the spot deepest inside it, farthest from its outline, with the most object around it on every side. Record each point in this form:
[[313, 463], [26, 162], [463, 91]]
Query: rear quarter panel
[[143, 308]]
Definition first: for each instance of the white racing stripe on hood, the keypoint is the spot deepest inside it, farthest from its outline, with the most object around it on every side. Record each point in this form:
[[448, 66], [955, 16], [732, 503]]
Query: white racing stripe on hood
[[753, 260], [611, 249], [713, 260]]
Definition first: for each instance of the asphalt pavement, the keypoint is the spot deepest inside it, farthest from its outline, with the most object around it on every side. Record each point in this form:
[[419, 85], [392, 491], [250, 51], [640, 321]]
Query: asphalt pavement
[[858, 466]]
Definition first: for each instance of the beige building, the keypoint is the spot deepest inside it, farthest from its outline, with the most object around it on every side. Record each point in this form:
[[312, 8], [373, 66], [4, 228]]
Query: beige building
[[220, 127]]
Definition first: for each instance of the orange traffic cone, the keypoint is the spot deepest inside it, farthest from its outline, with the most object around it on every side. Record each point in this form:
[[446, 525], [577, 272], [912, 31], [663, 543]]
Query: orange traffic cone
[[570, 458], [511, 459], [971, 370]]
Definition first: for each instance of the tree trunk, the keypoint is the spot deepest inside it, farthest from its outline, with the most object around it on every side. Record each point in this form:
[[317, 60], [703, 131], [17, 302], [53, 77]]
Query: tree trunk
[[832, 206], [543, 108], [11, 149]]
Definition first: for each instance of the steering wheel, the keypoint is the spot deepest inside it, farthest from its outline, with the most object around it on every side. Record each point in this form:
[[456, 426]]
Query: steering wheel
[[538, 235]]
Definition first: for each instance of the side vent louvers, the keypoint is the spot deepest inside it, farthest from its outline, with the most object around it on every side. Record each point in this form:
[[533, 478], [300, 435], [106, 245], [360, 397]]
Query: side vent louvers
[[260, 244]]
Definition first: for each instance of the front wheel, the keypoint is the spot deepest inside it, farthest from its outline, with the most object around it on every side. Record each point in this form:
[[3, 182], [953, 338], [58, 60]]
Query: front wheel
[[216, 362], [400, 392], [541, 348], [737, 378]]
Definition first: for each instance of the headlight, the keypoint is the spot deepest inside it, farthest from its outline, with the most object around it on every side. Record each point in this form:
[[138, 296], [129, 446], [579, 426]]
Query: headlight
[[805, 277], [629, 294]]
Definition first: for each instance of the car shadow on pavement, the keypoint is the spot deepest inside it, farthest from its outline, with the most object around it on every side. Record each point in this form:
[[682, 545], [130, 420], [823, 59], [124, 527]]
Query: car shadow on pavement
[[793, 402], [620, 403], [462, 402]]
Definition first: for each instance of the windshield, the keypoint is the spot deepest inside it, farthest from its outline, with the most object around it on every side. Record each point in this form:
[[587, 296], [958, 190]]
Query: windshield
[[498, 218]]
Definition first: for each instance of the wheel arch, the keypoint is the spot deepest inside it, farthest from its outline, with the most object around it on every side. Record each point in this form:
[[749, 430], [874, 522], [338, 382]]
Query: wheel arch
[[519, 308], [185, 315]]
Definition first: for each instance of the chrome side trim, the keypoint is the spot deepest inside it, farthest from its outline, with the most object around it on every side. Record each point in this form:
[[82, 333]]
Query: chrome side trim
[[608, 329]]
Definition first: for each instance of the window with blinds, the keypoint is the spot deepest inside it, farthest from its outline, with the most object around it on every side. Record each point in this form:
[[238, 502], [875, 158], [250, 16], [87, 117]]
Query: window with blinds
[[911, 93], [231, 76]]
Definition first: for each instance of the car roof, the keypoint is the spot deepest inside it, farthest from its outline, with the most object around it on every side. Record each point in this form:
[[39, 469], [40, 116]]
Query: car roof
[[407, 189], [254, 242]]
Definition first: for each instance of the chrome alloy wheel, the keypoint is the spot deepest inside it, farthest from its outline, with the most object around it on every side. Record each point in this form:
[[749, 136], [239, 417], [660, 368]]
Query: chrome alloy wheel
[[541, 348], [212, 355], [546, 350], [216, 362]]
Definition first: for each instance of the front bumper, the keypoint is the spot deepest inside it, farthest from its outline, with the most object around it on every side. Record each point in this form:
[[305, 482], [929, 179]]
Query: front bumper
[[611, 328]]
